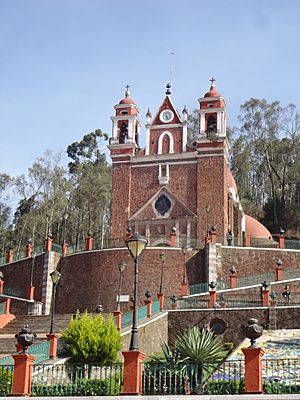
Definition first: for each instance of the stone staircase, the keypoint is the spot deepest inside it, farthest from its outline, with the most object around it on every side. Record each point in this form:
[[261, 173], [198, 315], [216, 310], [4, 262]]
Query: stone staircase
[[38, 324]]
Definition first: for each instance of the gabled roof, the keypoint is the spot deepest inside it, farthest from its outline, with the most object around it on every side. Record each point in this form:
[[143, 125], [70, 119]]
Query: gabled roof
[[146, 212], [166, 105]]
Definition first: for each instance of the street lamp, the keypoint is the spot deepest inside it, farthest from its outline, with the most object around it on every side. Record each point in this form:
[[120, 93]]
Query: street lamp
[[55, 277], [122, 266], [135, 244], [162, 257]]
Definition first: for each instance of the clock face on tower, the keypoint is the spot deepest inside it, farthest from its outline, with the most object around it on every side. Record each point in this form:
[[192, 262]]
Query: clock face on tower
[[166, 116]]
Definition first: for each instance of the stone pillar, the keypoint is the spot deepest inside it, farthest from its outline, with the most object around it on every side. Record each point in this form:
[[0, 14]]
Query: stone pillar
[[212, 298], [279, 274], [21, 385], [53, 339], [1, 286], [188, 234], [31, 293], [28, 249], [253, 369], [118, 319], [148, 303], [7, 306], [132, 384], [9, 255], [64, 248], [232, 281], [266, 301], [50, 263], [281, 241], [161, 298], [89, 243], [248, 241]]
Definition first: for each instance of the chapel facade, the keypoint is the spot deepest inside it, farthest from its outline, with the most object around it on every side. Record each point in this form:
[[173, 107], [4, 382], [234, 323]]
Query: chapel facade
[[173, 184]]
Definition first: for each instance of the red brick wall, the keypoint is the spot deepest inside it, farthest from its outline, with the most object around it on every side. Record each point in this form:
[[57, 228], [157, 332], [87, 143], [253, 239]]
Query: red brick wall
[[17, 276], [120, 205], [179, 321], [212, 190], [91, 278], [252, 261]]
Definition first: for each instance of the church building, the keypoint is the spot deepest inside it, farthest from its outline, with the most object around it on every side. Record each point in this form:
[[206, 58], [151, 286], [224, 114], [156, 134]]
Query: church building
[[173, 184]]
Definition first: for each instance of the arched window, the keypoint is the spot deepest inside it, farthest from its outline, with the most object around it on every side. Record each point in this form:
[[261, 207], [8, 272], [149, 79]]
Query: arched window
[[162, 143], [211, 124]]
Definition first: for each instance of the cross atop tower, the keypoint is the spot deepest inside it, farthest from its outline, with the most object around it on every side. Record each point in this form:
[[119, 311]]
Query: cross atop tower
[[127, 90], [212, 80]]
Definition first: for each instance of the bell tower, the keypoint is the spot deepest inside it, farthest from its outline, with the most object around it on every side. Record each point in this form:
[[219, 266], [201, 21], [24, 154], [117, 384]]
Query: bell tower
[[212, 113], [123, 146], [125, 125]]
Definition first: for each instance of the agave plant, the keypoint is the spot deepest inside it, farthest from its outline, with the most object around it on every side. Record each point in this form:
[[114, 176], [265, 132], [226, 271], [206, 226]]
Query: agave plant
[[203, 350], [200, 345]]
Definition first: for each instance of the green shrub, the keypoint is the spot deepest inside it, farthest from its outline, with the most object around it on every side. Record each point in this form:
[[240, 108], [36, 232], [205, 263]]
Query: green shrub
[[6, 377], [92, 340], [280, 387], [224, 387], [81, 387]]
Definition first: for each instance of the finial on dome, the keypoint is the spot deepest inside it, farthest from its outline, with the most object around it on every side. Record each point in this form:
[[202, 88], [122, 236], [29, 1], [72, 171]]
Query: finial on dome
[[127, 93], [168, 87], [148, 114], [212, 80], [185, 110]]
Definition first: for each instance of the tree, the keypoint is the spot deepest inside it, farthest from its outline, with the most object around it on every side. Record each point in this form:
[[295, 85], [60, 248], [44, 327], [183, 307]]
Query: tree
[[92, 340], [89, 204], [5, 211], [266, 161], [44, 196]]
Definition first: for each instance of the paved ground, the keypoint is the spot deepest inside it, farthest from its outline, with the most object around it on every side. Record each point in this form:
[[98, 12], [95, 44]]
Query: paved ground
[[278, 344]]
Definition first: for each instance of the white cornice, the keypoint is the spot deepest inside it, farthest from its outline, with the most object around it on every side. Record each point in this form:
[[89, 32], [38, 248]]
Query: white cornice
[[166, 126], [127, 116], [118, 106], [205, 99], [211, 109]]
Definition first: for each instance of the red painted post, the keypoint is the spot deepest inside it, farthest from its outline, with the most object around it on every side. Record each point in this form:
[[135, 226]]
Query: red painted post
[[253, 369], [31, 293], [212, 298], [64, 248], [279, 274], [21, 385], [118, 319], [28, 249], [7, 306], [248, 241], [148, 303], [184, 288], [232, 281], [132, 383], [53, 339], [213, 235], [89, 243], [9, 256], [266, 301], [1, 286], [48, 244], [161, 299], [281, 241], [173, 238]]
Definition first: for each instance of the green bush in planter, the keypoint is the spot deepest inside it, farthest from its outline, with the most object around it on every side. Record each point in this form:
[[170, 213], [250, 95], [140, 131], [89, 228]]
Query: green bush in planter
[[92, 340]]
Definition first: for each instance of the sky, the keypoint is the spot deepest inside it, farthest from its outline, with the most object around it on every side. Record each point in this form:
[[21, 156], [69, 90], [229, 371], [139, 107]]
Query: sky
[[64, 63]]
